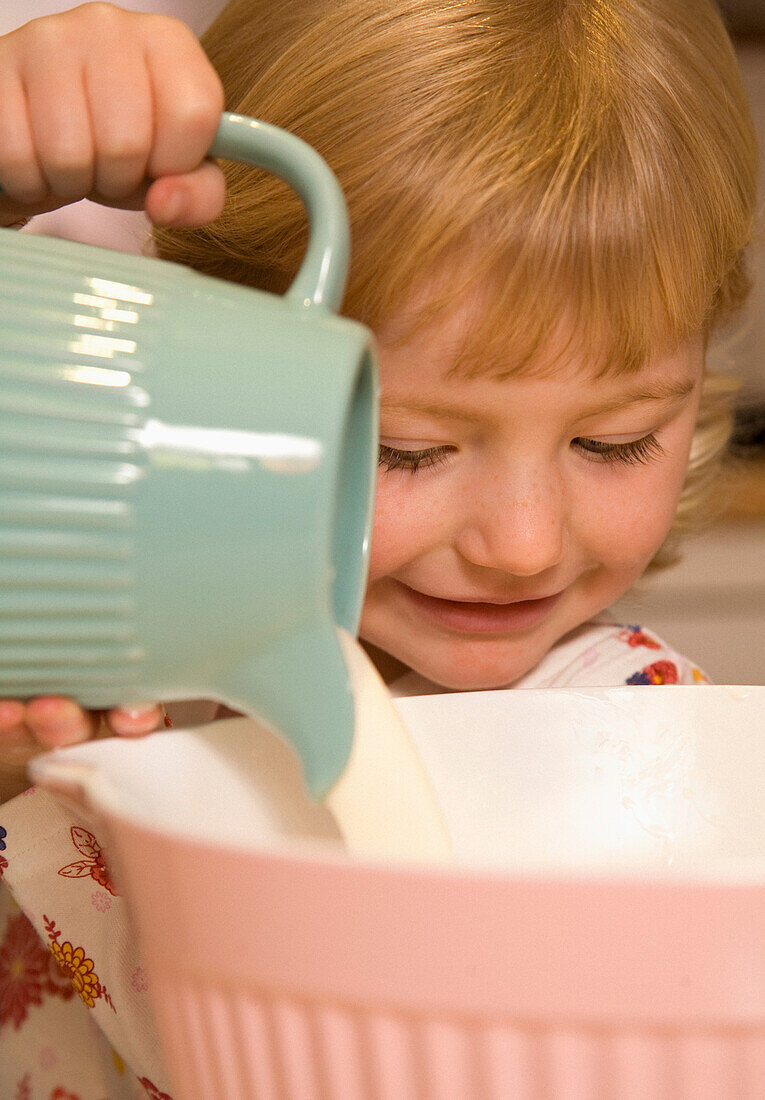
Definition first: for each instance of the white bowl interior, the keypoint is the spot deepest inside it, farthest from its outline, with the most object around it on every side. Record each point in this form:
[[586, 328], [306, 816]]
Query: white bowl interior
[[634, 778], [644, 779]]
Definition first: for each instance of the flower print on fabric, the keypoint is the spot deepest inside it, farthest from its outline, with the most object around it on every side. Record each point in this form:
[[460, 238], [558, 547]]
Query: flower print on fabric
[[139, 980], [74, 963], [23, 971], [634, 636], [152, 1091], [79, 969], [101, 901], [660, 672], [48, 1057], [94, 863], [27, 972], [23, 1089], [3, 860]]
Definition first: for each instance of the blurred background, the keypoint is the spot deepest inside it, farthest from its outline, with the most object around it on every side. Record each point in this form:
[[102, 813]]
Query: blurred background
[[712, 605]]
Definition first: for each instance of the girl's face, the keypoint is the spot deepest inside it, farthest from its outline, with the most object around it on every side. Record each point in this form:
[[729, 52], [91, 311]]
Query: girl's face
[[511, 511]]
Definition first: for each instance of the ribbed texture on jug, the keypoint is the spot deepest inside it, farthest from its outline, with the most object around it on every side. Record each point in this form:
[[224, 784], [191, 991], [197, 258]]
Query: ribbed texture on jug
[[69, 461], [66, 574]]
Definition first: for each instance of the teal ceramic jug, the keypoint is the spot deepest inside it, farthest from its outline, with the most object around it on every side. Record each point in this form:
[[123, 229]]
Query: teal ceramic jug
[[186, 474]]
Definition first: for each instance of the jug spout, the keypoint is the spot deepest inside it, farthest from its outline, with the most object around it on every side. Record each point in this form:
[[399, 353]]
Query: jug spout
[[299, 685]]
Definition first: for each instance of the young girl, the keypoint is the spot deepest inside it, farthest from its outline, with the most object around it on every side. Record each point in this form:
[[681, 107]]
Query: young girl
[[550, 204]]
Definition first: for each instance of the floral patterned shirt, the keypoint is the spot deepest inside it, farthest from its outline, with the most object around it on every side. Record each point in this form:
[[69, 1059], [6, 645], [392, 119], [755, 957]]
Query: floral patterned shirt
[[75, 1011], [601, 653], [75, 1017]]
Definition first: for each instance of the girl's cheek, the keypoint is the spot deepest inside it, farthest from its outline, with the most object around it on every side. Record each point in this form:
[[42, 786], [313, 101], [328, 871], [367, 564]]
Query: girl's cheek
[[389, 532], [401, 526], [631, 517]]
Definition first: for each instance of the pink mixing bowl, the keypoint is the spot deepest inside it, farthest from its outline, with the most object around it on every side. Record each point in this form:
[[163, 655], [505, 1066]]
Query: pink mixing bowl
[[320, 980], [298, 974]]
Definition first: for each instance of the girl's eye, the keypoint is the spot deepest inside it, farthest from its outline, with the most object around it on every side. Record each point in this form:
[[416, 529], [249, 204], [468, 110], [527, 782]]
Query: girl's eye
[[634, 453], [392, 458]]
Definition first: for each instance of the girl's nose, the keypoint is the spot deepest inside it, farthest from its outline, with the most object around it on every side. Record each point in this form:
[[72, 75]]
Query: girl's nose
[[517, 525]]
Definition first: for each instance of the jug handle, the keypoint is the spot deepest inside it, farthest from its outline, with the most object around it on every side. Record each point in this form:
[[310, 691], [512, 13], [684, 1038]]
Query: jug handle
[[321, 278], [320, 281]]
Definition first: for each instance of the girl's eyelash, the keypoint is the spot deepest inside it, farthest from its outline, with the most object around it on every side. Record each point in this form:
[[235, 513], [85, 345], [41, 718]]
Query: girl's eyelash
[[632, 454], [391, 458]]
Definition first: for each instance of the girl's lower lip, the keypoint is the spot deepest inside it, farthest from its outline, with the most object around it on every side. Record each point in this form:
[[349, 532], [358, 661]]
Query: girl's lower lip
[[481, 618]]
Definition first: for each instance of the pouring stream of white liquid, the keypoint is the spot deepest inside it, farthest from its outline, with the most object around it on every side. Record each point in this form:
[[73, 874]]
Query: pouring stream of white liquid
[[383, 802]]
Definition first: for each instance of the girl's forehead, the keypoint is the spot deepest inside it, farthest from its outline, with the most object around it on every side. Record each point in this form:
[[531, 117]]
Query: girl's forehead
[[529, 409], [418, 377], [462, 323], [461, 342]]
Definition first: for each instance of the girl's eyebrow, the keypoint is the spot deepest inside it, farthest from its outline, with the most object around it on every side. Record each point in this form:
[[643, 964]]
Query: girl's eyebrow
[[658, 391], [433, 409]]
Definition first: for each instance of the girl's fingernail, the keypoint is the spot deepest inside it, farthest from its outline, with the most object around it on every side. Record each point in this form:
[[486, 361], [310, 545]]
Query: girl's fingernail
[[172, 208], [56, 710], [138, 713]]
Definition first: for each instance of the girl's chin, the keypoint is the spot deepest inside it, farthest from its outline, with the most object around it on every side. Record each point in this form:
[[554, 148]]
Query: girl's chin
[[455, 673], [459, 681]]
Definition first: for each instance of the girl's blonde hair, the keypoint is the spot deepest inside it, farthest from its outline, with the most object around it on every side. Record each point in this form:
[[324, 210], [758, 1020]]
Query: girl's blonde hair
[[591, 159]]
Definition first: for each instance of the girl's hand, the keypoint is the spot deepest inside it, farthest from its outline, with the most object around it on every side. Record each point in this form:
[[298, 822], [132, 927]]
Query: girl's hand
[[115, 106], [27, 729]]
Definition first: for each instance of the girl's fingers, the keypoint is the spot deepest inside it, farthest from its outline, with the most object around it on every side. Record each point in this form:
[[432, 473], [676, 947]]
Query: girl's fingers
[[59, 118], [195, 198], [27, 729], [20, 174], [135, 721], [13, 730], [55, 721], [121, 114], [187, 107]]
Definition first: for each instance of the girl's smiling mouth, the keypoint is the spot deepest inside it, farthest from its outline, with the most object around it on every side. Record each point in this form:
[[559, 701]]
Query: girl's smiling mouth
[[479, 617]]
